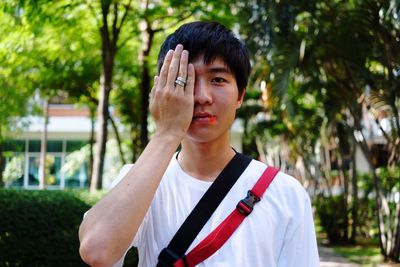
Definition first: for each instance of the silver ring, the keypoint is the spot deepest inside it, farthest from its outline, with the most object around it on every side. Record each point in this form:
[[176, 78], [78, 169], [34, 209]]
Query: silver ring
[[180, 81]]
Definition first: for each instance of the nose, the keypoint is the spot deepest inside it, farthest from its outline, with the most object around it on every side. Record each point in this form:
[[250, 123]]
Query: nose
[[202, 92]]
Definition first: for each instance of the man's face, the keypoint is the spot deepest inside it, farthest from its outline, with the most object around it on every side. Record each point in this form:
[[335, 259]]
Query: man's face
[[215, 101]]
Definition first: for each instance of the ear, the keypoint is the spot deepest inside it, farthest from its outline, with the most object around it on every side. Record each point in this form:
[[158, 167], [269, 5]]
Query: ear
[[241, 98]]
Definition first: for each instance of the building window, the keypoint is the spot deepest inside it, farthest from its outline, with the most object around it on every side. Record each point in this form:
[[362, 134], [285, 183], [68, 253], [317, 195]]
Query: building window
[[54, 146], [24, 155], [33, 171], [75, 145], [34, 145], [78, 178]]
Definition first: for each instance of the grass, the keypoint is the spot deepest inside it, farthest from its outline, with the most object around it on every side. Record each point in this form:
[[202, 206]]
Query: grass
[[365, 255], [366, 252]]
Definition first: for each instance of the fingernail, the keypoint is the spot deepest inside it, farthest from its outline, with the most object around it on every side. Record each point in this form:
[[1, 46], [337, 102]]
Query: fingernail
[[185, 55]]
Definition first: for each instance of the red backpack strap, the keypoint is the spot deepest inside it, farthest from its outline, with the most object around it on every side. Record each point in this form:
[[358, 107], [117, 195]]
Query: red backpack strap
[[217, 238]]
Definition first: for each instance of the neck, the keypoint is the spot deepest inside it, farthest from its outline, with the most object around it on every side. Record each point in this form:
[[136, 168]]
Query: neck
[[204, 161]]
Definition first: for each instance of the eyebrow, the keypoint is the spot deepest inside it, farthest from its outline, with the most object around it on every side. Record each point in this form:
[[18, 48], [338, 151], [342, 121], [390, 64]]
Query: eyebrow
[[218, 70]]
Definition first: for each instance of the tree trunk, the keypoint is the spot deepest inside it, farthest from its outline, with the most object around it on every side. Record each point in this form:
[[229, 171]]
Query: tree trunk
[[394, 158], [261, 152], [109, 49], [43, 146], [326, 169], [102, 116], [119, 142], [394, 253], [101, 137], [148, 36], [345, 184], [378, 199], [91, 143], [354, 186], [391, 59], [1, 159], [134, 135], [245, 136]]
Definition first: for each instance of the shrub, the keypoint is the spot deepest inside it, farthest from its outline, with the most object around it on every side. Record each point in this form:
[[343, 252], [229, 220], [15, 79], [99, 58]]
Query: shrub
[[331, 214], [40, 228]]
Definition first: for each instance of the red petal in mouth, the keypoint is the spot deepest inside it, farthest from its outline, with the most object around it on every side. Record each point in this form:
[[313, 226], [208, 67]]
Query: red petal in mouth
[[205, 118]]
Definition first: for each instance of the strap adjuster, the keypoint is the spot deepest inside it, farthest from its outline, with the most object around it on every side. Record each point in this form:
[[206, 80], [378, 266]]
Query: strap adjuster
[[167, 258], [246, 205]]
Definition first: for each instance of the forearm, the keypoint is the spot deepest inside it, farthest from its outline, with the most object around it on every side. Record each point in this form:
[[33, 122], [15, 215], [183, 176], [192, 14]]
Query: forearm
[[110, 226]]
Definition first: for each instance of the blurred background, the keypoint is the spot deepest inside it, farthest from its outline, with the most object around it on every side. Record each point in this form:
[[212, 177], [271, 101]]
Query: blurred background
[[322, 105]]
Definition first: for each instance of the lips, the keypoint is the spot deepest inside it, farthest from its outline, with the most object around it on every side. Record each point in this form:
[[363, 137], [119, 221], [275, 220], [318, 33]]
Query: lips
[[204, 117]]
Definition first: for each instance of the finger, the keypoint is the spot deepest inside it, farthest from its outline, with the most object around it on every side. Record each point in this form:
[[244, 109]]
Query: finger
[[164, 69], [189, 89], [154, 86], [174, 67], [183, 66]]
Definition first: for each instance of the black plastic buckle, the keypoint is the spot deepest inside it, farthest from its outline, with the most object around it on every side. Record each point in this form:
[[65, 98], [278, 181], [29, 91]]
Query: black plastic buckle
[[167, 258], [246, 205]]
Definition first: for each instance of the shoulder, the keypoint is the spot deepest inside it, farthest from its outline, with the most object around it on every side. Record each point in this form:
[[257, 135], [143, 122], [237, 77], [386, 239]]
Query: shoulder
[[172, 167], [283, 185]]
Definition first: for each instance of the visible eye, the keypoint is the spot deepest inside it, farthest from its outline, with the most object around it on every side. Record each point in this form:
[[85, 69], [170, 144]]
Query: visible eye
[[218, 80]]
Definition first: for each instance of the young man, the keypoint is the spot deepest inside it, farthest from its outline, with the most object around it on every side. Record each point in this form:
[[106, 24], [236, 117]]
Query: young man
[[203, 74]]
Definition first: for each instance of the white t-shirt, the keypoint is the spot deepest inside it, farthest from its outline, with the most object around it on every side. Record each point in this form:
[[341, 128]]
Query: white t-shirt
[[279, 232]]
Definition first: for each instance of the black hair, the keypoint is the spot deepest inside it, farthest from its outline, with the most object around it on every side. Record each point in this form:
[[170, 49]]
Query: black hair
[[214, 40]]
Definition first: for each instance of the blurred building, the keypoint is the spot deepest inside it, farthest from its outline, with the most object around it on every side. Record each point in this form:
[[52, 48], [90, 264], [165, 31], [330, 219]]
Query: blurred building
[[69, 129]]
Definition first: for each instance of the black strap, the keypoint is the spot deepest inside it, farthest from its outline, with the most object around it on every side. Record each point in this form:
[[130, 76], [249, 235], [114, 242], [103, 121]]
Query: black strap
[[203, 210]]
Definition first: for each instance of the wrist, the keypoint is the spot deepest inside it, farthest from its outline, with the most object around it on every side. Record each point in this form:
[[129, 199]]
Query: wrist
[[172, 138]]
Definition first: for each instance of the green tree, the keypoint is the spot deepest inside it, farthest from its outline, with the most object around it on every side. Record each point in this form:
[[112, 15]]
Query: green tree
[[310, 49], [15, 75], [53, 61], [111, 17]]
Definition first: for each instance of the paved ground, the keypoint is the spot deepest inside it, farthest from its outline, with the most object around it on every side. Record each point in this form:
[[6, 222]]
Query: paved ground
[[328, 258]]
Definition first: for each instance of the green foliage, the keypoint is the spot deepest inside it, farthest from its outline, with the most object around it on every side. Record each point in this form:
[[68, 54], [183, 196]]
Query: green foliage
[[309, 48], [41, 51], [73, 161], [365, 255], [332, 215], [40, 228], [88, 197], [14, 91], [330, 212], [13, 170], [390, 177], [324, 78]]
